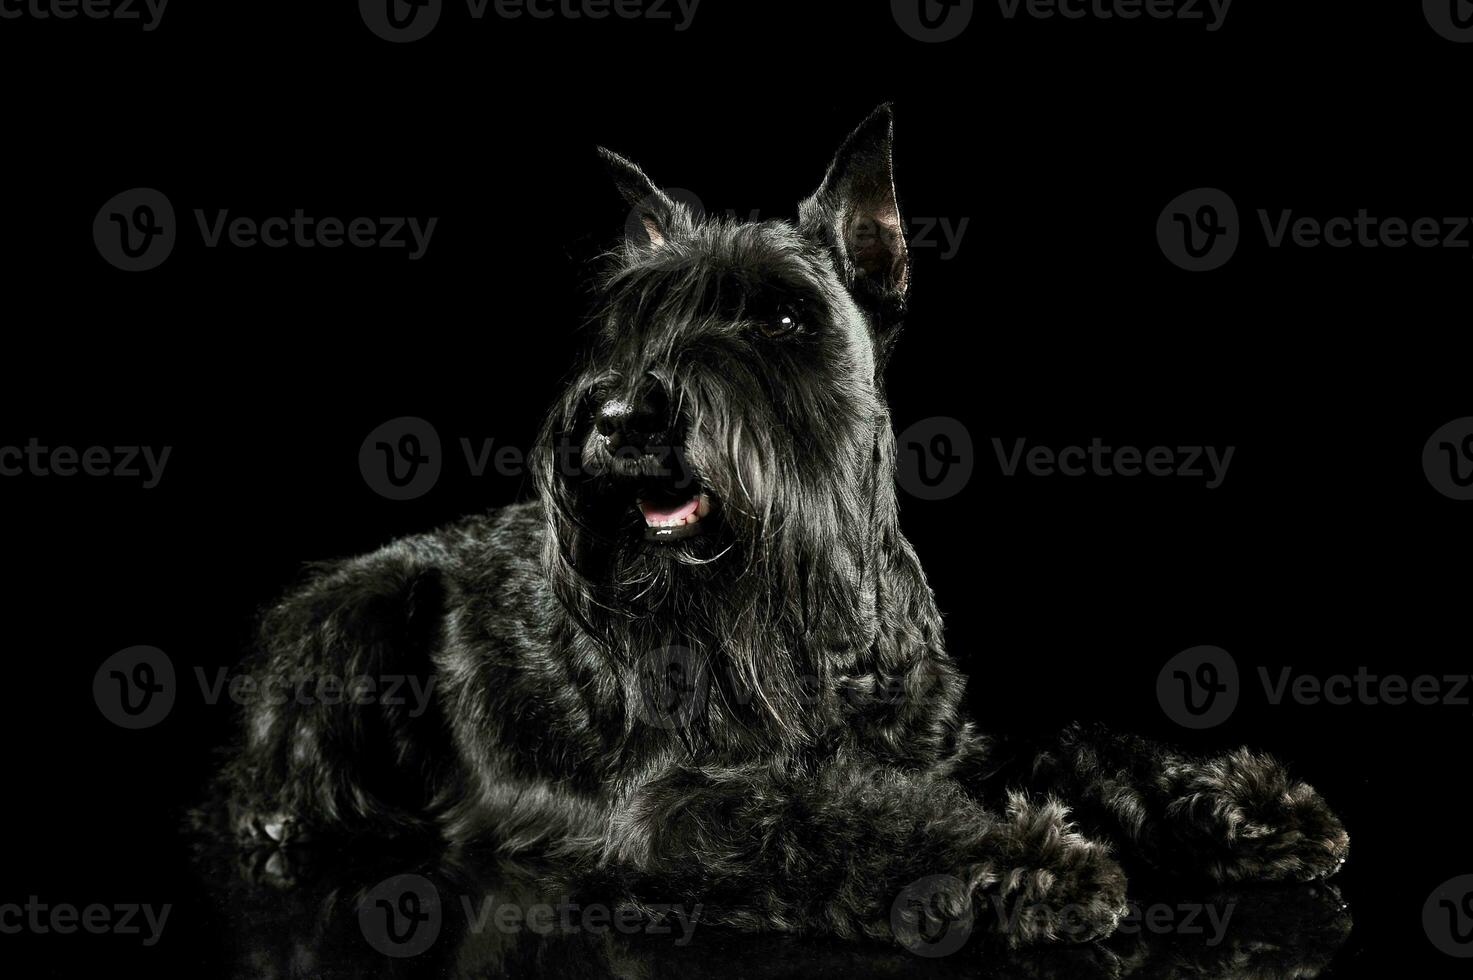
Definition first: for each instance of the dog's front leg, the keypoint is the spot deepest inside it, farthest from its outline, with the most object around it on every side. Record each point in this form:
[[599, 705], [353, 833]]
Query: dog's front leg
[[1230, 818], [858, 850]]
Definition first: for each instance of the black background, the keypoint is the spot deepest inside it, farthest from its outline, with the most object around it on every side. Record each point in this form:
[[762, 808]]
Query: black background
[[1058, 320]]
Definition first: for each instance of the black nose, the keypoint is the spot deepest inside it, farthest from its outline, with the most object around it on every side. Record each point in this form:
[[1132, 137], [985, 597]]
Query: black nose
[[640, 420]]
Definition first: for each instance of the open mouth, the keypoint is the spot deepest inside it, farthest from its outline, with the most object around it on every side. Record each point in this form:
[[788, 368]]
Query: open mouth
[[674, 519]]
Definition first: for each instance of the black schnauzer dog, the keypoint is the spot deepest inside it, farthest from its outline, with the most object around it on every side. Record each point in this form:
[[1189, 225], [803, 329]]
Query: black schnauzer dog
[[704, 664]]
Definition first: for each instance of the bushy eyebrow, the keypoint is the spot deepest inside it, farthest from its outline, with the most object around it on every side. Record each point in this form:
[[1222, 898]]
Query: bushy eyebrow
[[705, 290]]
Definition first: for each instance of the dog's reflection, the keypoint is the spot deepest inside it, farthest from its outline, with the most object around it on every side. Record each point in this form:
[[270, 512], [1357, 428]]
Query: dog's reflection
[[304, 914]]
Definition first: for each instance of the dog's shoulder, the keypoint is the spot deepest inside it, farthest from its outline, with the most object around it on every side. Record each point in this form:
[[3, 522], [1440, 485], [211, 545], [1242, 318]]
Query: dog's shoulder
[[486, 551], [493, 570]]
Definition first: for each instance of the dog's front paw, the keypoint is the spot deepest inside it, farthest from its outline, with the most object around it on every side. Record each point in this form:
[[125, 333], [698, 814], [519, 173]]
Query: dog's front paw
[[267, 829], [1251, 822], [272, 867], [1062, 885]]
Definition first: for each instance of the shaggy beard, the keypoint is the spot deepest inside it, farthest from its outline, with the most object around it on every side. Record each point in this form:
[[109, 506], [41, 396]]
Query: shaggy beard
[[750, 619]]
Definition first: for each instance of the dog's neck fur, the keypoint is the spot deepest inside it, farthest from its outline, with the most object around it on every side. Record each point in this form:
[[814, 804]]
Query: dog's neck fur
[[798, 625]]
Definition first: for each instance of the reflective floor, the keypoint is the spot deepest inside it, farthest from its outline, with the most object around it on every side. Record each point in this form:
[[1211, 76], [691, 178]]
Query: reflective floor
[[328, 916]]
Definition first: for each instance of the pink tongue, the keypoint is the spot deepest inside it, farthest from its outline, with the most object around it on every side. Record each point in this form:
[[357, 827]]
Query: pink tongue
[[656, 515]]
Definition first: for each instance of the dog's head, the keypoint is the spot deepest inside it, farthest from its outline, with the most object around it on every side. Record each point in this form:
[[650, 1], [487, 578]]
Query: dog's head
[[729, 420]]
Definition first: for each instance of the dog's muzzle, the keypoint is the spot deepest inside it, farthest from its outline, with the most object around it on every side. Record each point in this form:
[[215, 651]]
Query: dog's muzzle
[[644, 458]]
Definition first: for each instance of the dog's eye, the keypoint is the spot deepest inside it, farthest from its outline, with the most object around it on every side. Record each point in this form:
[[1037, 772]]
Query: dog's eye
[[780, 325]]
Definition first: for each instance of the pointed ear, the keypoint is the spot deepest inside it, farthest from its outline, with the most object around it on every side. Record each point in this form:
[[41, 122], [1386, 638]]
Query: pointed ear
[[655, 214], [856, 212]]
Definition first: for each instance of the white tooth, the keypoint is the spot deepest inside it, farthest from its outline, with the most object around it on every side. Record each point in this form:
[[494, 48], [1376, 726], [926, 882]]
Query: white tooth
[[703, 506]]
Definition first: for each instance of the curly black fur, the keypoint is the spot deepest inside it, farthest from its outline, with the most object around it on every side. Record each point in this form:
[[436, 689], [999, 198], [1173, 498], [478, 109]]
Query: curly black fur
[[820, 764]]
